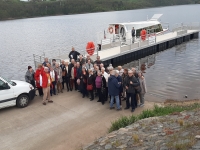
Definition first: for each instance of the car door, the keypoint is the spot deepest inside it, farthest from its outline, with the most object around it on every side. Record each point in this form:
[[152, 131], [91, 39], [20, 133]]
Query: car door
[[6, 95]]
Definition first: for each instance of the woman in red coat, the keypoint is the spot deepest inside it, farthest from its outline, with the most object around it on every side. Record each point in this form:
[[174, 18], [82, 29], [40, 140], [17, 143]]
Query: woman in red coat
[[37, 79]]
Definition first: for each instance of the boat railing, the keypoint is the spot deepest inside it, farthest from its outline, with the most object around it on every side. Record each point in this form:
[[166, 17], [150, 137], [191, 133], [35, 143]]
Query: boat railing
[[165, 25], [186, 26], [138, 42]]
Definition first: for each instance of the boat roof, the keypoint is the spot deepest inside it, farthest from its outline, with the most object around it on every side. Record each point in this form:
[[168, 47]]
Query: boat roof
[[141, 24], [138, 25]]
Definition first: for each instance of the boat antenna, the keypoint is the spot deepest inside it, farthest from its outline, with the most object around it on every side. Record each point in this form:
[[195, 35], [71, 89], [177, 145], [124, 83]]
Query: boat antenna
[[147, 17]]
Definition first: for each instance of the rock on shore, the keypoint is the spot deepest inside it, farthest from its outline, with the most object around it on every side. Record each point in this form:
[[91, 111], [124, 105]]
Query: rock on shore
[[178, 131]]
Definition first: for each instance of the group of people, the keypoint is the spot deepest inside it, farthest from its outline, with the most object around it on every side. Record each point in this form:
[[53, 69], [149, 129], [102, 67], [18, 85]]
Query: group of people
[[91, 79]]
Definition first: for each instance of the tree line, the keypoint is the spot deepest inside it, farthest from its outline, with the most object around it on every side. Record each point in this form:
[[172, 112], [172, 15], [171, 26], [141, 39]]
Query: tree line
[[13, 9]]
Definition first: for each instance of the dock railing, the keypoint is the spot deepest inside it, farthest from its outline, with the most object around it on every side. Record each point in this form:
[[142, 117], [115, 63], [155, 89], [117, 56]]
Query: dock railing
[[38, 59]]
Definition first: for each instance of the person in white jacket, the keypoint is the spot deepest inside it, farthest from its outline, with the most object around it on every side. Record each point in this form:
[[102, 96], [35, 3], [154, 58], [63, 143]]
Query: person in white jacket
[[53, 78]]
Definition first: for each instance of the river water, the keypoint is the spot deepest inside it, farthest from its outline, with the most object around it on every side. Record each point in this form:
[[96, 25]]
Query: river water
[[174, 73]]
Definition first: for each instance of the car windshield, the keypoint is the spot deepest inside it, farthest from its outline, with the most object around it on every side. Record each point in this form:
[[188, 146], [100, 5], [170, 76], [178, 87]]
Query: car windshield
[[9, 81]]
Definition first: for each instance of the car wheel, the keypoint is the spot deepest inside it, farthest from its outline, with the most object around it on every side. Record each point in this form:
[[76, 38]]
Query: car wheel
[[22, 101]]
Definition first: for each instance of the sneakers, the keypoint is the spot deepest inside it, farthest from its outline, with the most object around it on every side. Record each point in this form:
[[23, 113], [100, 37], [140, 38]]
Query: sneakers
[[141, 105], [112, 108], [119, 109], [44, 103], [50, 101]]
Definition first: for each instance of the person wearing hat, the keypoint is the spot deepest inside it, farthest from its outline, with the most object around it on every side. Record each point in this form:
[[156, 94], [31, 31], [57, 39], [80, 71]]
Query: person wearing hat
[[29, 76], [37, 79], [45, 83]]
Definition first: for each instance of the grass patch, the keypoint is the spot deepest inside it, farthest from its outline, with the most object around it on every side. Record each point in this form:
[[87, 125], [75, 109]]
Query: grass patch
[[116, 143], [181, 144], [181, 122], [136, 138], [156, 111]]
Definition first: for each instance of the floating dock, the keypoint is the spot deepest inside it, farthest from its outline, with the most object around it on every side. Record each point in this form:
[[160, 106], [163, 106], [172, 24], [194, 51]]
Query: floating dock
[[119, 53], [126, 53]]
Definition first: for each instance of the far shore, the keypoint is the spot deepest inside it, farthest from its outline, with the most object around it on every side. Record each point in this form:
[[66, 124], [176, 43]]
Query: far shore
[[10, 18]]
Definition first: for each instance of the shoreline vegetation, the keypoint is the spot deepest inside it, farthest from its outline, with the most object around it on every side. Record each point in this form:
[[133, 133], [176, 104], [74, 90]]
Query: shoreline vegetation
[[16, 9], [169, 107], [174, 125]]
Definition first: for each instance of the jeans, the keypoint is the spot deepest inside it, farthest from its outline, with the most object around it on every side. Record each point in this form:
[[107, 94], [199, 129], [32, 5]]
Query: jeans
[[133, 39], [33, 83], [84, 90], [117, 101], [141, 98], [106, 94], [75, 83], [40, 91], [101, 96], [91, 94], [120, 99], [67, 83], [53, 89], [63, 81], [71, 84], [133, 99], [59, 87]]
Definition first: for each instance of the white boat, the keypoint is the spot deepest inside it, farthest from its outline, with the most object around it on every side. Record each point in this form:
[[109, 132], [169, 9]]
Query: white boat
[[123, 31]]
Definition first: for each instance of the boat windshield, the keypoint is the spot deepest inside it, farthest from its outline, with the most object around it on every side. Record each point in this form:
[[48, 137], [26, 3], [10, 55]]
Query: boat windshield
[[155, 28]]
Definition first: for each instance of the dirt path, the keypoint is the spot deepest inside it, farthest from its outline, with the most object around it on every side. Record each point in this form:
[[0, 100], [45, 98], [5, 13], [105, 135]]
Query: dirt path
[[69, 123]]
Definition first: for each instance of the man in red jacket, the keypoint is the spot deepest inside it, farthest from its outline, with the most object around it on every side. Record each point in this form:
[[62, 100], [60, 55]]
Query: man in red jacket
[[46, 83]]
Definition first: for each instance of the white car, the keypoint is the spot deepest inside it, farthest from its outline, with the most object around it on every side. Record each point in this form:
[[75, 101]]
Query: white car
[[15, 93]]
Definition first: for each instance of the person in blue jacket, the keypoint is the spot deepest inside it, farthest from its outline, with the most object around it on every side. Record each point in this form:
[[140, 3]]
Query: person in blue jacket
[[113, 89]]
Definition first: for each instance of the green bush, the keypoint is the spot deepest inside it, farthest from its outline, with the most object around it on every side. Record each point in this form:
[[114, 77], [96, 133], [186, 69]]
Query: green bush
[[156, 111]]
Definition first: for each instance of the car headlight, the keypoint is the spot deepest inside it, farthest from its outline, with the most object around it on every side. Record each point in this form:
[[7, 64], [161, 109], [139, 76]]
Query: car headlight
[[31, 87]]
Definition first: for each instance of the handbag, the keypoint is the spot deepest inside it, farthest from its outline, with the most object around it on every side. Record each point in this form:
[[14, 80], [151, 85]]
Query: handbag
[[89, 87], [138, 89]]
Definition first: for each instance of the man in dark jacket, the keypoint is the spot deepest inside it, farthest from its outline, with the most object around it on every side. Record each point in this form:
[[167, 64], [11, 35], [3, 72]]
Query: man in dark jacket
[[133, 35], [81, 60], [62, 66], [79, 70], [134, 72], [113, 89], [67, 76], [71, 65], [73, 54], [130, 83], [98, 61]]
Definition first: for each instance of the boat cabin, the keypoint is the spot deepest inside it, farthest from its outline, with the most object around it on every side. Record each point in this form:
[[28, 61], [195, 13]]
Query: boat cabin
[[123, 30]]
